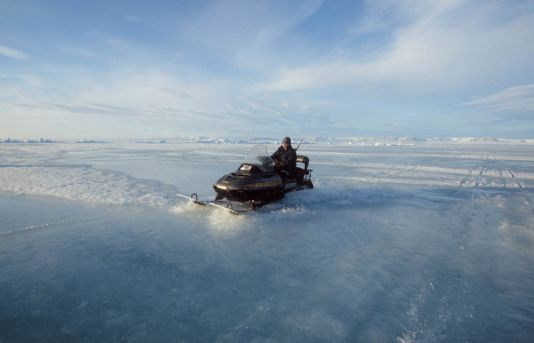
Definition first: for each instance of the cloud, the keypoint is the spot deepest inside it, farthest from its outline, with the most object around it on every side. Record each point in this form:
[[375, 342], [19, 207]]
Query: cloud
[[512, 99], [243, 33], [444, 46], [133, 19], [134, 99], [127, 97], [105, 110], [13, 53], [388, 15]]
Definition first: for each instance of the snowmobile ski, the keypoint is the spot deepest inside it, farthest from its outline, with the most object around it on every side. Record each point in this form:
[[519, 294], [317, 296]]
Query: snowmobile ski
[[227, 206]]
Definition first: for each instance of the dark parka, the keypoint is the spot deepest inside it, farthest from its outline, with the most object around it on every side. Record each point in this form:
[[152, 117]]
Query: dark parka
[[285, 159]]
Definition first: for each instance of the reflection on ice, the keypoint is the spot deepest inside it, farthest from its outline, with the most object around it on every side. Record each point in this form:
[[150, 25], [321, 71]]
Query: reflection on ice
[[223, 221], [218, 220]]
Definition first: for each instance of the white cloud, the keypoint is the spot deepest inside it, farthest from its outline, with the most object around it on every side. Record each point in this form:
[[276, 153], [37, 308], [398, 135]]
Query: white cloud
[[13, 53], [515, 99], [132, 97], [441, 47], [130, 100]]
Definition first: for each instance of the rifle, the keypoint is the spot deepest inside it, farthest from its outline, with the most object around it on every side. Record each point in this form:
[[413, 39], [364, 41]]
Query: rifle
[[302, 140]]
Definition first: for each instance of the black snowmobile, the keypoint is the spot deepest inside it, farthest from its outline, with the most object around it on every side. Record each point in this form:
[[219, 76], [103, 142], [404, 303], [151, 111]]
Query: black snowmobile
[[257, 182]]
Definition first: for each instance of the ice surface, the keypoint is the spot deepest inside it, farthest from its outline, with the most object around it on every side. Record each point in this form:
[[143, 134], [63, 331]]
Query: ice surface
[[429, 242]]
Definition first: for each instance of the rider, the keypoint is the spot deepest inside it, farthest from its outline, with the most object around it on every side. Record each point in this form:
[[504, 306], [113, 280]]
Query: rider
[[285, 158]]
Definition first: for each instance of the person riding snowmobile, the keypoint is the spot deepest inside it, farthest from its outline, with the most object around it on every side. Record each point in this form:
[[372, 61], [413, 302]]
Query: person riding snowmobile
[[285, 158]]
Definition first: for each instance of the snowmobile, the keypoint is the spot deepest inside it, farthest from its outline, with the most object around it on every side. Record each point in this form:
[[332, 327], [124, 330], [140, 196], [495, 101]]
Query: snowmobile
[[257, 182]]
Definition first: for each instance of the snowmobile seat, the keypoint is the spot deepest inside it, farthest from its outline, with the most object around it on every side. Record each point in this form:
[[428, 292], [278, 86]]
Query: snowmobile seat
[[301, 172]]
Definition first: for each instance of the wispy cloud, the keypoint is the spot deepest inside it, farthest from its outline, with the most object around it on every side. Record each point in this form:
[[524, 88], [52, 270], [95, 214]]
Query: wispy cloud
[[338, 73], [133, 18], [13, 53], [244, 34], [515, 99], [433, 47], [80, 52]]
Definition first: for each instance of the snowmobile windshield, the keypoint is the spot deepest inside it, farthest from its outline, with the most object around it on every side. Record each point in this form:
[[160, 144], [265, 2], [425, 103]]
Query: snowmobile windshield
[[258, 156]]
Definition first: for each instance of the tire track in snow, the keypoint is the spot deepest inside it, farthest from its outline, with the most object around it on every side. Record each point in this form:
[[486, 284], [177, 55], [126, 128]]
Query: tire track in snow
[[470, 180], [505, 184], [479, 177]]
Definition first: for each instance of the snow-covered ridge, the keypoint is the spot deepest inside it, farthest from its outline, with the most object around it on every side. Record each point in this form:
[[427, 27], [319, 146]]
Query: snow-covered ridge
[[480, 140], [84, 184]]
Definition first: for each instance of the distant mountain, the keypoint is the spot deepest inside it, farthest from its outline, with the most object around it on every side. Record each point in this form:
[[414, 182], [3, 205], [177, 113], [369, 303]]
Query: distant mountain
[[89, 141], [28, 141], [355, 141]]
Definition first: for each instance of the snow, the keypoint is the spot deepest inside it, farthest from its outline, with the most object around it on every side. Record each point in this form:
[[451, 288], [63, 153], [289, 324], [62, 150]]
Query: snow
[[429, 241]]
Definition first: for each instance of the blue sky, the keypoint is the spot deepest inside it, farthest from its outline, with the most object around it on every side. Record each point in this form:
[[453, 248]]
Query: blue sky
[[136, 69]]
